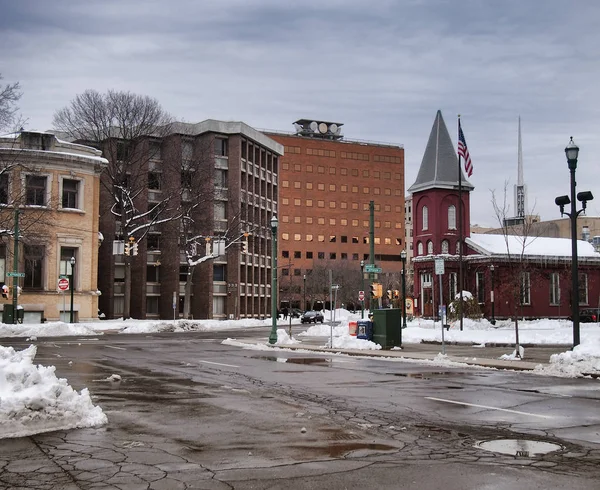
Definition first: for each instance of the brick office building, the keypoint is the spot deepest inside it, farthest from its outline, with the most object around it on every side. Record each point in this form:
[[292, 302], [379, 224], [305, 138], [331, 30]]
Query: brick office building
[[244, 166], [326, 184]]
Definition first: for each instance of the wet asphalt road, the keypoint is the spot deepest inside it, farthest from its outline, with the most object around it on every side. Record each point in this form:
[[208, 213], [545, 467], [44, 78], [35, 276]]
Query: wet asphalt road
[[191, 412]]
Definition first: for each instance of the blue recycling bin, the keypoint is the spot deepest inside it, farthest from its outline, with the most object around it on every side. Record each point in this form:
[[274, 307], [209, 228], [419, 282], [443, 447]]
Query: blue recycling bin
[[364, 329]]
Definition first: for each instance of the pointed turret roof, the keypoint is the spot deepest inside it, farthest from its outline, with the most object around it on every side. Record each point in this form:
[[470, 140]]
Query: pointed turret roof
[[439, 167]]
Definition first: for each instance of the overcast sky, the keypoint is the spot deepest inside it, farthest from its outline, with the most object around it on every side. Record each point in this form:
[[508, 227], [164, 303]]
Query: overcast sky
[[383, 68]]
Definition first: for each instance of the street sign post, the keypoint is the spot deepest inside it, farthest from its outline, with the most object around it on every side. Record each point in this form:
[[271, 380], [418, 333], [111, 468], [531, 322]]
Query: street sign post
[[439, 266], [63, 284], [373, 269], [15, 274]]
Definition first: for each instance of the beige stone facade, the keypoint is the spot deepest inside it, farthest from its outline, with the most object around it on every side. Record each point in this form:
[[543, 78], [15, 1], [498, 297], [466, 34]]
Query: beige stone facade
[[55, 186]]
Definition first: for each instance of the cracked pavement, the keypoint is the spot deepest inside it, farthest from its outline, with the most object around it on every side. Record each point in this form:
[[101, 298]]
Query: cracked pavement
[[191, 413]]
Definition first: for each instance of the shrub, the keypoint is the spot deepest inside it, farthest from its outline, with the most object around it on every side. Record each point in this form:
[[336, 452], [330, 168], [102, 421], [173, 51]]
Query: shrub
[[471, 309]]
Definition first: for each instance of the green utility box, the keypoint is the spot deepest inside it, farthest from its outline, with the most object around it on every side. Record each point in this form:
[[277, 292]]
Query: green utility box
[[387, 327], [8, 314]]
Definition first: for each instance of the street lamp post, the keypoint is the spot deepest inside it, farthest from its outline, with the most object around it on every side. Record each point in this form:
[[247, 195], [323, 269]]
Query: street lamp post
[[362, 278], [72, 287], [572, 152], [273, 335], [493, 320], [403, 258], [304, 304]]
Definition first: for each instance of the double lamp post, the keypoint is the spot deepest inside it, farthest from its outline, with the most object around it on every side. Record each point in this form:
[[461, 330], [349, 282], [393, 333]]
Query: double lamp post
[[572, 153]]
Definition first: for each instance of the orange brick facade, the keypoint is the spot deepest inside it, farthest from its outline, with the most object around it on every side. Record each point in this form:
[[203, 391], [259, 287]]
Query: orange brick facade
[[325, 187]]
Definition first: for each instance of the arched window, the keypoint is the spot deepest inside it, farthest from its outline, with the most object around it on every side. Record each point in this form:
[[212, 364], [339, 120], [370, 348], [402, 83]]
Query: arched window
[[420, 248], [425, 218], [430, 247], [445, 246], [452, 217]]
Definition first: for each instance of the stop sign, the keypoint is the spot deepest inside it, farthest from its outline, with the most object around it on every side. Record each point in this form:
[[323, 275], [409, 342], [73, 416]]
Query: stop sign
[[361, 296], [63, 284]]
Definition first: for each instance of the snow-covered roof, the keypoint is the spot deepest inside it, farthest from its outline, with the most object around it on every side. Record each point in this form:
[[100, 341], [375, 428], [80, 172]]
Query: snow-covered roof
[[489, 244]]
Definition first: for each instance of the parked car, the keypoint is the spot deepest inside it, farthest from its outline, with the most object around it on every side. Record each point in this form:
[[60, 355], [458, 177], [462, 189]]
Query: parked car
[[312, 316], [588, 315], [295, 313]]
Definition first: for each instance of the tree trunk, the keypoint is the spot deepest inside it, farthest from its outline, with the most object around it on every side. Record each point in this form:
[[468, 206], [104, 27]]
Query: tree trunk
[[188, 292]]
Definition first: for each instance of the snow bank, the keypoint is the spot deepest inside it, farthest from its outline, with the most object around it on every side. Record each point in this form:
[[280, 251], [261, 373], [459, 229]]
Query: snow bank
[[34, 400]]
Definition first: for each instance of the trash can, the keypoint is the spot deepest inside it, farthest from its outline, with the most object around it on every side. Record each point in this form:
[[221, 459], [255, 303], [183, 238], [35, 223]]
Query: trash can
[[20, 314], [364, 330], [8, 314], [387, 327], [352, 327]]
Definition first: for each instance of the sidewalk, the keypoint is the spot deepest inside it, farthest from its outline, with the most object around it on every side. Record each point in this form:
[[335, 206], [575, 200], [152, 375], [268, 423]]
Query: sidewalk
[[488, 356]]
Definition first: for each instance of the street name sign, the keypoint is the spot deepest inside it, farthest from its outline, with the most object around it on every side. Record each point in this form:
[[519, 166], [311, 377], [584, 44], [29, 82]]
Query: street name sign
[[371, 268], [15, 274]]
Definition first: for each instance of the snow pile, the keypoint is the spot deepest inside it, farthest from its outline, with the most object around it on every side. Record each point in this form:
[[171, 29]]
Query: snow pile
[[583, 360], [349, 342], [49, 329], [34, 400], [284, 339]]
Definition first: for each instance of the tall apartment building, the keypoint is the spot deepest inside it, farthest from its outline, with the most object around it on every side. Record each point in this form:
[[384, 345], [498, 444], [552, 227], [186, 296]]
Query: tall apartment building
[[244, 167], [326, 184]]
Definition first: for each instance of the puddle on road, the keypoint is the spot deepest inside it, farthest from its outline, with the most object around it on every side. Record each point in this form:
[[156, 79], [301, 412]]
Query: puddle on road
[[296, 360], [430, 375], [523, 448]]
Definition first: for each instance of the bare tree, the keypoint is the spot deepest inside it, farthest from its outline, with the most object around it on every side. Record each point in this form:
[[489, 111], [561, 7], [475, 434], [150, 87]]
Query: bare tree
[[10, 94], [514, 274], [124, 125]]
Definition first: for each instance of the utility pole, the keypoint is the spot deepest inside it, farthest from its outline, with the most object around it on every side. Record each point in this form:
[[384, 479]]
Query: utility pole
[[16, 267]]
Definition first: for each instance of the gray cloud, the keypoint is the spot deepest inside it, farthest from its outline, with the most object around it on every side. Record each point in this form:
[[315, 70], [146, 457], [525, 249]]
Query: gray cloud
[[383, 69]]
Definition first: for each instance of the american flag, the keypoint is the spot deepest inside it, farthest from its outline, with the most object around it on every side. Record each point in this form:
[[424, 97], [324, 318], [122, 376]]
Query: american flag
[[463, 151]]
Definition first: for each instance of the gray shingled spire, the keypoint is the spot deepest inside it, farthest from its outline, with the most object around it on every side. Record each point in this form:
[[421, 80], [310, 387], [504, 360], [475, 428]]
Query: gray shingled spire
[[439, 167]]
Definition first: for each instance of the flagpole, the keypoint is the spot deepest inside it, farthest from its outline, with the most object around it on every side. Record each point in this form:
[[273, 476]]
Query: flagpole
[[460, 235]]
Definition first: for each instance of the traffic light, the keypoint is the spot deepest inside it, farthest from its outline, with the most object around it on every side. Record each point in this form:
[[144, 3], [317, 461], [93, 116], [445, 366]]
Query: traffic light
[[376, 290], [5, 291], [244, 246], [127, 249], [389, 294], [396, 294], [134, 249]]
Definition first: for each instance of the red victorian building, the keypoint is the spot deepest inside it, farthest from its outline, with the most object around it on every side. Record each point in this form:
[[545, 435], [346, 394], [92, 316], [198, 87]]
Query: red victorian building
[[507, 274]]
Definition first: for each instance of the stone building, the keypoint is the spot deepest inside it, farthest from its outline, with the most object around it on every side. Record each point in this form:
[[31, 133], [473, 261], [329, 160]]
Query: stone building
[[52, 187]]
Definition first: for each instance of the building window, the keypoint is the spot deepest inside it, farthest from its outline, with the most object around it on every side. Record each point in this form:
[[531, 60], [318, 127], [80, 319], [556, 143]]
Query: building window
[[321, 255], [525, 289], [297, 202], [457, 248], [452, 285], [321, 204], [152, 305], [555, 289], [219, 272], [297, 272], [425, 218], [297, 254], [480, 287], [297, 237], [332, 256], [34, 266], [152, 273], [445, 246], [285, 272], [220, 147], [354, 256], [309, 255], [153, 182], [70, 193], [583, 288], [285, 254], [430, 247], [420, 248], [36, 190], [309, 238], [452, 217], [344, 256], [153, 241], [4, 188]]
